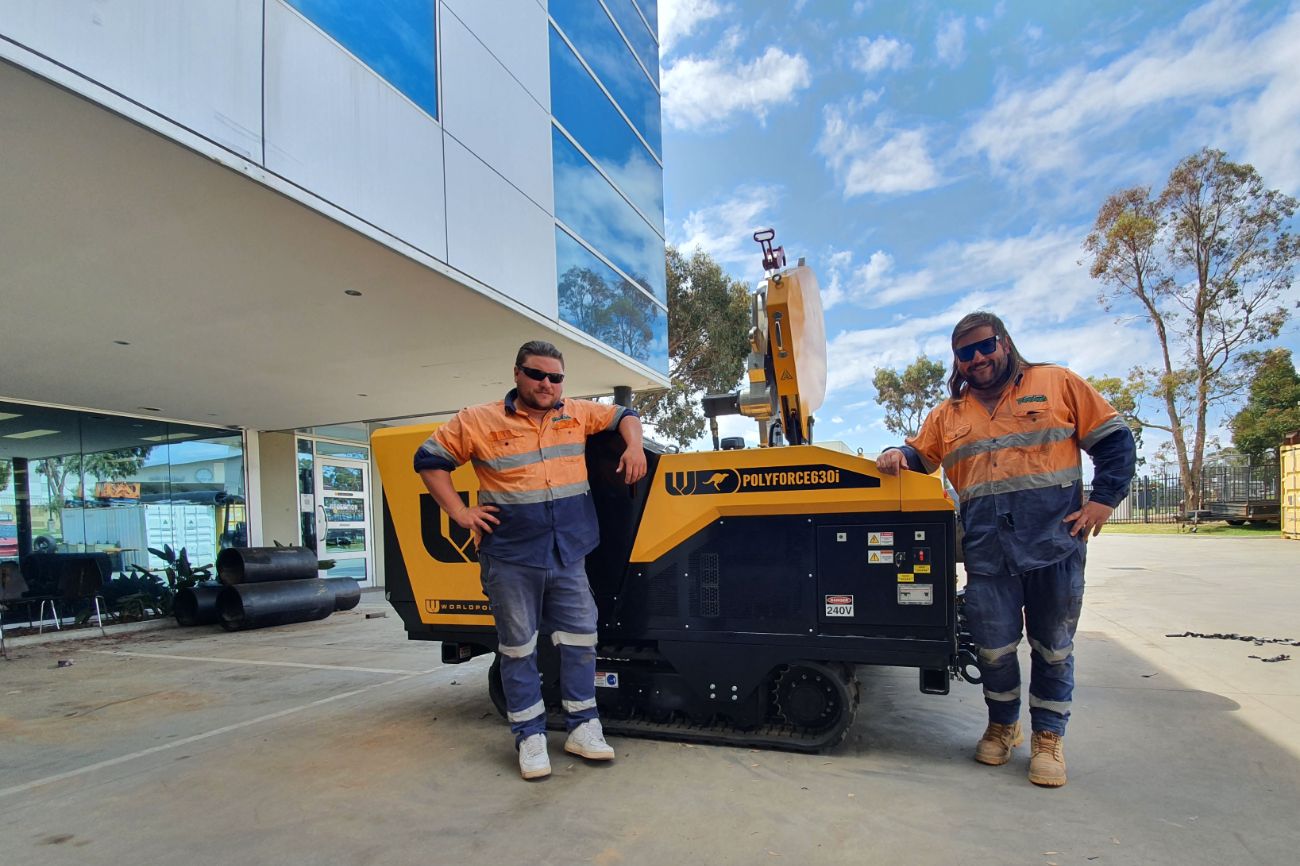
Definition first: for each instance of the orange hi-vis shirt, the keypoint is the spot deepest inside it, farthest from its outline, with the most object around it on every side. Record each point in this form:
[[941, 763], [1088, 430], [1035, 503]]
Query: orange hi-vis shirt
[[535, 474], [1017, 471]]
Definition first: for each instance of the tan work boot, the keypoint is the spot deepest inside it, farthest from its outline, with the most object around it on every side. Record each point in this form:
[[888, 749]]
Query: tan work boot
[[994, 748], [1047, 759]]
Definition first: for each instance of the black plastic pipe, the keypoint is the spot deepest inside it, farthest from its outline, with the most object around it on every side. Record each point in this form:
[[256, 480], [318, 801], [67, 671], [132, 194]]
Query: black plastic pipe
[[197, 605], [236, 565], [347, 592], [256, 605]]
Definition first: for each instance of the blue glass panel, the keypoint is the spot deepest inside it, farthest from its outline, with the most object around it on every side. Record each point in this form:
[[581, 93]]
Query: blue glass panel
[[589, 116], [651, 10], [395, 38], [592, 32], [596, 299], [633, 26], [586, 203]]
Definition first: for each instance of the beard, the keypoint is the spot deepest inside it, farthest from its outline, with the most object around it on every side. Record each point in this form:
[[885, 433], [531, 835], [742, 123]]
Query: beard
[[532, 403], [997, 380]]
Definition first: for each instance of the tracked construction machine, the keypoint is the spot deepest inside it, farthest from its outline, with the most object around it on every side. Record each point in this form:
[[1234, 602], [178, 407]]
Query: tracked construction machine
[[737, 589]]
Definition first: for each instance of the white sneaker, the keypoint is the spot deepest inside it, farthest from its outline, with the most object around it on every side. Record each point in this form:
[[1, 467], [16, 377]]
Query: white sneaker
[[588, 740], [534, 763]]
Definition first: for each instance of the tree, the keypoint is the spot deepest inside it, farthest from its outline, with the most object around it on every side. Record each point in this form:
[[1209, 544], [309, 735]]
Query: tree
[[1207, 262], [707, 344], [909, 395], [1273, 408], [1119, 393]]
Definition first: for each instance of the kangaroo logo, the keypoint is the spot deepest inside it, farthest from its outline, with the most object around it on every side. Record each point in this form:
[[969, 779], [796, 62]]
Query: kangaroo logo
[[454, 547], [702, 482]]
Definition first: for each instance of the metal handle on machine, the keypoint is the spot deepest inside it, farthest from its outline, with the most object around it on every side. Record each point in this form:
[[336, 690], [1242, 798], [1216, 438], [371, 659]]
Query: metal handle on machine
[[776, 328]]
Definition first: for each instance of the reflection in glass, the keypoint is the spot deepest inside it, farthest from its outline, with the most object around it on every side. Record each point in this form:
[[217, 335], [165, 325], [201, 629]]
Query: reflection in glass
[[395, 38], [345, 541], [342, 478], [634, 28], [586, 203], [588, 115], [338, 449], [98, 483], [353, 568], [341, 510], [594, 298], [650, 8], [592, 32]]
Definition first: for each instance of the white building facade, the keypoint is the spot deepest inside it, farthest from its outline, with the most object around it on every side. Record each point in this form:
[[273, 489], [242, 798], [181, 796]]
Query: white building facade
[[235, 235]]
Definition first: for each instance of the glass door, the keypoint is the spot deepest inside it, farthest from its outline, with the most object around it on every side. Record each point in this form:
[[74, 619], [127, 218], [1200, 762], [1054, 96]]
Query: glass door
[[343, 522]]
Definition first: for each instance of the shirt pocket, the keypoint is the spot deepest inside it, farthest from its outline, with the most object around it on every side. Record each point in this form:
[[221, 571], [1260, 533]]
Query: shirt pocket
[[1038, 430]]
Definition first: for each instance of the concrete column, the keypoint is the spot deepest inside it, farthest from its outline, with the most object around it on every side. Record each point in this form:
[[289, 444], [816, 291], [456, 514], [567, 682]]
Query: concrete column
[[277, 475]]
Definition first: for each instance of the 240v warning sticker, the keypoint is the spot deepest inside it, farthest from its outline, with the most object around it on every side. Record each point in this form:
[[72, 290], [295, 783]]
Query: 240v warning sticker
[[839, 605]]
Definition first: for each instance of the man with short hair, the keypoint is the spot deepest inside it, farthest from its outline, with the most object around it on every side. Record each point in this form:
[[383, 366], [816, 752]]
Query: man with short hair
[[1009, 438], [534, 524]]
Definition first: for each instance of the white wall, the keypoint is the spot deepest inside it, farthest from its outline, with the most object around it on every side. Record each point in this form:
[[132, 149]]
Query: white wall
[[338, 129], [197, 62], [491, 113], [514, 31], [498, 234]]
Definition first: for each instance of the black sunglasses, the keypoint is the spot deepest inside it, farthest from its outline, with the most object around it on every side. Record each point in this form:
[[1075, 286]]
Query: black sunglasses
[[984, 347], [539, 375]]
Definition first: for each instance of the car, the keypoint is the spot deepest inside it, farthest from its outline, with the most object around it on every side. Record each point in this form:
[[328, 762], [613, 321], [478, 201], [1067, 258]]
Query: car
[[8, 540]]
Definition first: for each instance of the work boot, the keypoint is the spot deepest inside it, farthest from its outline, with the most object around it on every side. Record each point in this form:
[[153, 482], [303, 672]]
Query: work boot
[[534, 763], [1047, 759], [994, 748], [588, 740]]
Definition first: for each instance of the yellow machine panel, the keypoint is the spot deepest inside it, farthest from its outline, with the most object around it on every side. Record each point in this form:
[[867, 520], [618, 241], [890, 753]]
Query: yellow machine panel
[[694, 489], [440, 562]]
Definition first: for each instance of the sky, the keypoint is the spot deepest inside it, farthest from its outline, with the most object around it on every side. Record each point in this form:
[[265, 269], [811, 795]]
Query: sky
[[929, 159]]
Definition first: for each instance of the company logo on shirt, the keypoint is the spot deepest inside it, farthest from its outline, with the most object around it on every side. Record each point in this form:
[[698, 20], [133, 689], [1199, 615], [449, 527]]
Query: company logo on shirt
[[1032, 398]]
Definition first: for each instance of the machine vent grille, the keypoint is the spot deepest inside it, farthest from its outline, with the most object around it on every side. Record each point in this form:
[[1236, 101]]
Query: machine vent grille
[[705, 569], [663, 592]]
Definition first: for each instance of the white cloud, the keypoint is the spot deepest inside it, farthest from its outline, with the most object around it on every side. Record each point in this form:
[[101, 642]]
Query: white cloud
[[950, 41], [1032, 281], [708, 92], [870, 56], [679, 19], [1040, 129], [835, 265], [872, 158], [724, 229]]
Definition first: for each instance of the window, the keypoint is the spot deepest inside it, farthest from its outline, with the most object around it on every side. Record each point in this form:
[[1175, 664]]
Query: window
[[593, 34], [588, 115], [395, 38], [638, 33], [598, 300], [586, 203]]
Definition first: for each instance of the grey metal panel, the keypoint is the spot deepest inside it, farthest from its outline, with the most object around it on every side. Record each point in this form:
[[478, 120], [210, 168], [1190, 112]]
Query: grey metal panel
[[497, 235], [198, 63], [492, 114], [514, 31], [337, 129]]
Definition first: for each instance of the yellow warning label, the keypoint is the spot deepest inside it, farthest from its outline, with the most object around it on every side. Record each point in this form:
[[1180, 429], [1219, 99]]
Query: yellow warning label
[[906, 578], [875, 539], [921, 569], [879, 557]]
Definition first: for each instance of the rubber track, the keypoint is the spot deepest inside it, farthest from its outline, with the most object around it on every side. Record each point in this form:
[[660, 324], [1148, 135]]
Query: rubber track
[[771, 736]]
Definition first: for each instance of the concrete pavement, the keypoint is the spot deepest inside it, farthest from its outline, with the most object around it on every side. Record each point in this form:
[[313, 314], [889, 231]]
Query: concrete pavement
[[341, 742]]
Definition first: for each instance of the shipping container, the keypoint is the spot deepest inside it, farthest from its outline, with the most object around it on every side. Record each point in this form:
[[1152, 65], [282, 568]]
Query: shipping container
[[1291, 490]]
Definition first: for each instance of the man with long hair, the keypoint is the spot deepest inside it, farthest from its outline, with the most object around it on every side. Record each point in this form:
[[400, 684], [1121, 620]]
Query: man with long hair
[[1009, 437]]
